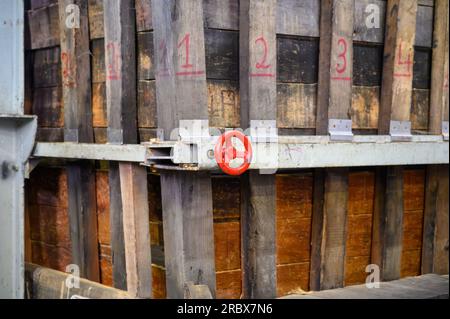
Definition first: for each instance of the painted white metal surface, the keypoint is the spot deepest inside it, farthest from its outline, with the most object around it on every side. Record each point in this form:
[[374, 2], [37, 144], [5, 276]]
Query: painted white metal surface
[[17, 133], [11, 57], [108, 152], [290, 152]]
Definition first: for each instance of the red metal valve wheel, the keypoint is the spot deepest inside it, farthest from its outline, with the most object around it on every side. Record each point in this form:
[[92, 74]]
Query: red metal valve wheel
[[225, 152]]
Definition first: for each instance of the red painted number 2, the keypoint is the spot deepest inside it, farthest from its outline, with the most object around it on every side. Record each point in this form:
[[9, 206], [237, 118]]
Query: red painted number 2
[[262, 64]]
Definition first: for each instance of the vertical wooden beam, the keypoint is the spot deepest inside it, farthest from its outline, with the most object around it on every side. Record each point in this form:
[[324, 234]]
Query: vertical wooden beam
[[120, 60], [258, 102], [181, 95], [331, 185], [76, 78], [396, 92], [435, 231], [133, 180], [130, 238]]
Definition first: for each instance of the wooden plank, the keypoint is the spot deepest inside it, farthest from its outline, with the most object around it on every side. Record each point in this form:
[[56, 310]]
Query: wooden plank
[[45, 283], [76, 90], [423, 287], [133, 180], [331, 186], [436, 200], [395, 105], [44, 29], [298, 17], [120, 61], [181, 94], [258, 102]]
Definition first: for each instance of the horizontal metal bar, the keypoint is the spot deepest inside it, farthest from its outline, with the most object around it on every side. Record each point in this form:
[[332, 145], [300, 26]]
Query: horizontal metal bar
[[108, 152], [361, 154], [290, 152]]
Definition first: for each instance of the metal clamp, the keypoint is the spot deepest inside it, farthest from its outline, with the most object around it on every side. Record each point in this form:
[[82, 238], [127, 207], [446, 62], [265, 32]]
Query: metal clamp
[[400, 131], [445, 130], [340, 130]]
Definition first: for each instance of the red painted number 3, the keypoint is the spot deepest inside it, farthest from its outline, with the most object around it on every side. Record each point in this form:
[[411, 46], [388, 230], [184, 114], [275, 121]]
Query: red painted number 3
[[341, 65]]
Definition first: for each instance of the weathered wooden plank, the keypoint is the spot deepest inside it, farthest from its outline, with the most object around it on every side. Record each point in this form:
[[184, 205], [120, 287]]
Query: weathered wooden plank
[[298, 17], [76, 78], [422, 287], [46, 68], [145, 50], [146, 104], [222, 54], [435, 259], [96, 25], [395, 105], [258, 102], [181, 94], [45, 283], [143, 15], [44, 27], [120, 61], [331, 186], [223, 103], [296, 105], [367, 65], [133, 181], [48, 107], [297, 60], [221, 14]]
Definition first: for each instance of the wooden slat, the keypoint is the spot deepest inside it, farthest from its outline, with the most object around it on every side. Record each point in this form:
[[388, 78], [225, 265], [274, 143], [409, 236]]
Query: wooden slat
[[258, 102], [45, 283], [133, 182], [130, 238], [331, 186], [396, 93], [435, 232], [181, 94], [76, 80]]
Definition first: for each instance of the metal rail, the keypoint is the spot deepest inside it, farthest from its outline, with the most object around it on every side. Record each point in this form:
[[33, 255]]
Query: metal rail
[[289, 152]]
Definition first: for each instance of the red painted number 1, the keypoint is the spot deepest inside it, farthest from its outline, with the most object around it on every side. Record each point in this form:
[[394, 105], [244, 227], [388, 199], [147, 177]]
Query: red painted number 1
[[186, 42]]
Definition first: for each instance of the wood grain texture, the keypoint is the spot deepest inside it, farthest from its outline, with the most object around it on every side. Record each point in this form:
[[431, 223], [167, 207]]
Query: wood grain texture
[[120, 62], [181, 94], [396, 92], [258, 65], [76, 78], [359, 229], [133, 182], [435, 259], [44, 26], [329, 224]]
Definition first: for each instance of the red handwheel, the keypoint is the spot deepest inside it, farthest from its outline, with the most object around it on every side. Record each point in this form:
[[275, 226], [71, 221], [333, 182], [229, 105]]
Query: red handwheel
[[225, 152]]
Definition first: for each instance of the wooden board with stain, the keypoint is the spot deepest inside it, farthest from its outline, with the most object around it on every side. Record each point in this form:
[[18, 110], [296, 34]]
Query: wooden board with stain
[[359, 234]]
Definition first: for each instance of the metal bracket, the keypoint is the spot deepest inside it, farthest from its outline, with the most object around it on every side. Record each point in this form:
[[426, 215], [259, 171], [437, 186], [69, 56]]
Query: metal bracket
[[400, 131], [340, 130], [445, 130]]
